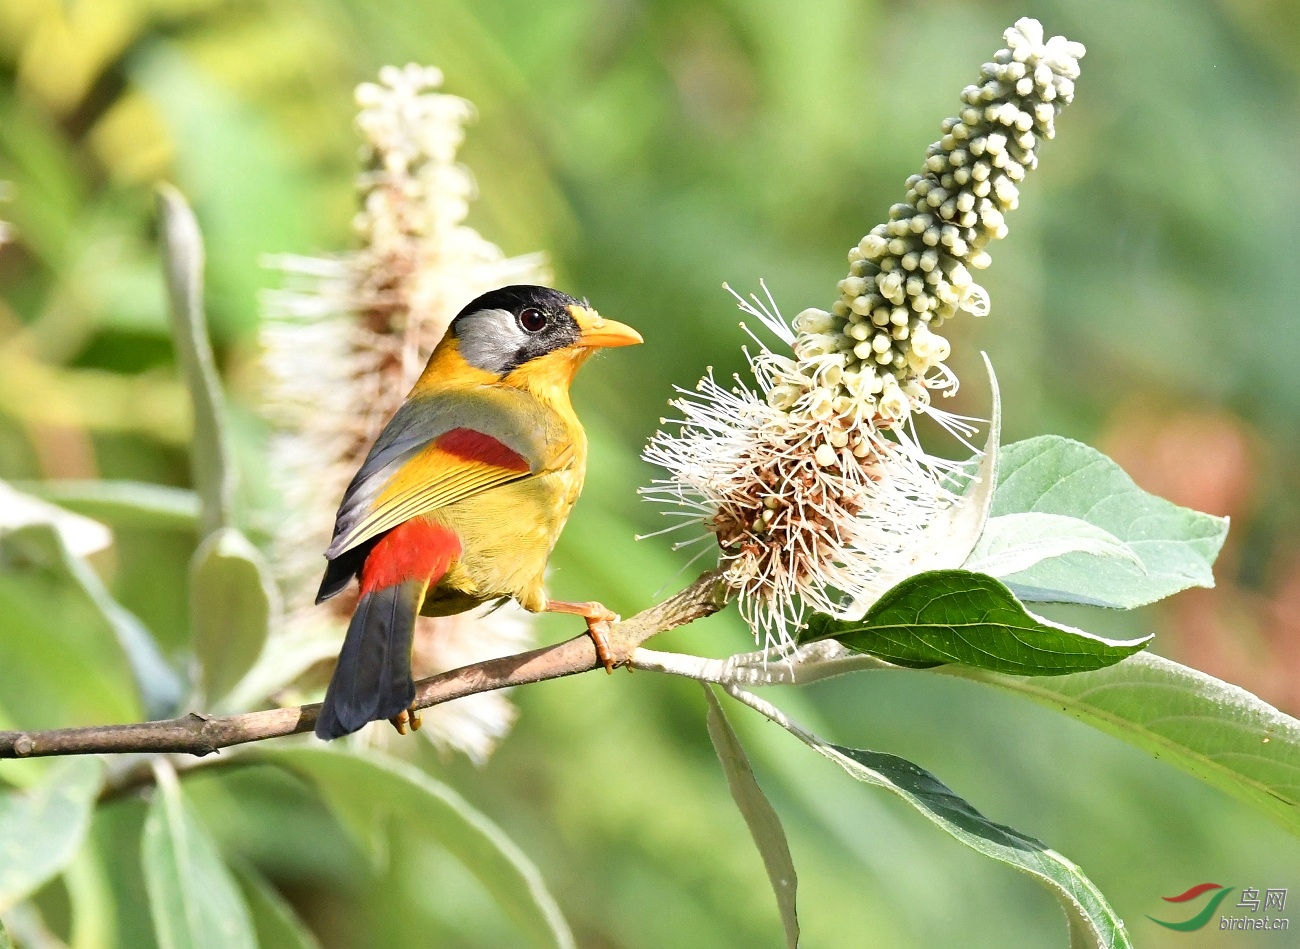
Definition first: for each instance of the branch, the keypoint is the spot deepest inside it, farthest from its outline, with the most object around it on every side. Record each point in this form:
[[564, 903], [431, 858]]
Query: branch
[[199, 734]]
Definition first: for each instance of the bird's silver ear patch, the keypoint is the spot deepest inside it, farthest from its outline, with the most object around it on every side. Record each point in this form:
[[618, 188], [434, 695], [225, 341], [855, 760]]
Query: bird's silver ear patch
[[490, 340]]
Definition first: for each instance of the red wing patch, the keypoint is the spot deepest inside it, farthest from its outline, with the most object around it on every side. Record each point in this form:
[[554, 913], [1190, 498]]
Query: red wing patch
[[469, 445], [413, 550]]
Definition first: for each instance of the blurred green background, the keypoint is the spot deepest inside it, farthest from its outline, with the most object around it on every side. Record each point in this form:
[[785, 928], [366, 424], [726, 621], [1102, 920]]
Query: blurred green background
[[1144, 303]]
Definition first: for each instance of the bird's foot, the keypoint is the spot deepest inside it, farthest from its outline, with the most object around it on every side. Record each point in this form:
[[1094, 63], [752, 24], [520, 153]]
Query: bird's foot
[[598, 618], [598, 631], [406, 718]]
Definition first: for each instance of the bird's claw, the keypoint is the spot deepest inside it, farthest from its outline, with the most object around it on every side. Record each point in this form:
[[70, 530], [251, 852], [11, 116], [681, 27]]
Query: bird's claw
[[598, 617], [406, 718], [598, 630]]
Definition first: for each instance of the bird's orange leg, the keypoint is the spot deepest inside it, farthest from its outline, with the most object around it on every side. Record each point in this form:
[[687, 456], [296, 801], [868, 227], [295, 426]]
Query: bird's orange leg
[[598, 618], [403, 719]]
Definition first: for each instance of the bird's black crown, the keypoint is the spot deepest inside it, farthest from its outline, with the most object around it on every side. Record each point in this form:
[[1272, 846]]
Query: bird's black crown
[[502, 329]]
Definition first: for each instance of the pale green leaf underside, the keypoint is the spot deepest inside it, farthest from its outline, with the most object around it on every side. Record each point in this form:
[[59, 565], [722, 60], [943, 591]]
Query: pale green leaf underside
[[1092, 922], [1054, 475], [156, 681], [1087, 911], [1211, 729], [123, 503], [761, 818], [233, 603], [274, 921], [193, 898], [183, 258], [157, 684], [1215, 731], [367, 794], [286, 656], [42, 827], [1015, 542]]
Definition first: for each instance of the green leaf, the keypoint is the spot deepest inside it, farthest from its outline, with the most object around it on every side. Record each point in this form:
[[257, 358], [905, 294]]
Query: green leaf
[[155, 680], [233, 603], [1215, 731], [276, 924], [1015, 542], [93, 909], [123, 503], [1088, 914], [1211, 729], [42, 827], [954, 616], [1092, 922], [192, 896], [367, 794], [182, 250], [287, 655], [58, 640], [5, 941], [761, 819], [1054, 475], [79, 534]]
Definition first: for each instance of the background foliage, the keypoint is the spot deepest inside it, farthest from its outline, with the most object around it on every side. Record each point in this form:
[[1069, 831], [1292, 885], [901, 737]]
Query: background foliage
[[1142, 304]]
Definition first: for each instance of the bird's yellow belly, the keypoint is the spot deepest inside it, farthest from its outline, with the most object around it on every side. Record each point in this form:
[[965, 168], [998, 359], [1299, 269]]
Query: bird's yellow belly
[[506, 535]]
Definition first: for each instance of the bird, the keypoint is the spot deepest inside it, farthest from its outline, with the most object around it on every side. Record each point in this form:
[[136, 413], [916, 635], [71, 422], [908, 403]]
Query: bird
[[464, 493]]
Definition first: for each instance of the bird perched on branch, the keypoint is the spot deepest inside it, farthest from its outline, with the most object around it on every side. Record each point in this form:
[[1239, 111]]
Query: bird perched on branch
[[464, 493]]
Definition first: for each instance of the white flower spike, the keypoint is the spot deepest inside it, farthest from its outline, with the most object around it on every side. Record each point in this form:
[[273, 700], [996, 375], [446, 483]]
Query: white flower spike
[[813, 482], [345, 340]]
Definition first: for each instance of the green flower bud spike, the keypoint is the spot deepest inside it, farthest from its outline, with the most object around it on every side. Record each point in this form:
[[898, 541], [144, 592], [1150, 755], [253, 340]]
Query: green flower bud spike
[[914, 272]]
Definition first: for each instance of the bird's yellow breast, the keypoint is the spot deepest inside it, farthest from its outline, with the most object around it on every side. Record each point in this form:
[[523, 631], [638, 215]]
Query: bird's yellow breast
[[507, 535], [507, 532]]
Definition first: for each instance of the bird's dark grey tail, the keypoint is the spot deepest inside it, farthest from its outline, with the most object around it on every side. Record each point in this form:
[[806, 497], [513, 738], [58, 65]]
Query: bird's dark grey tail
[[373, 680]]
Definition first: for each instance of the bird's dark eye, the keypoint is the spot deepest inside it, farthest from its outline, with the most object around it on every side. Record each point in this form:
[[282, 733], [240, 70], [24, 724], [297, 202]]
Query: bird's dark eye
[[532, 320]]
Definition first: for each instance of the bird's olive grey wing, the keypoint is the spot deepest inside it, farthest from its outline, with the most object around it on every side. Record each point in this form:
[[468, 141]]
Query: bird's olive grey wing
[[435, 451]]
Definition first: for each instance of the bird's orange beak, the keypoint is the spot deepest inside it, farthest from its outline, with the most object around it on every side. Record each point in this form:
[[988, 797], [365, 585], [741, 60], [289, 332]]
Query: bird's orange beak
[[598, 332]]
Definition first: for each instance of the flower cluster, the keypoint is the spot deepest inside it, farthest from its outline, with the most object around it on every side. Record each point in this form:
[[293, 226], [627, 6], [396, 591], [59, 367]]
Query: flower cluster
[[807, 513], [815, 484], [875, 353], [345, 339]]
